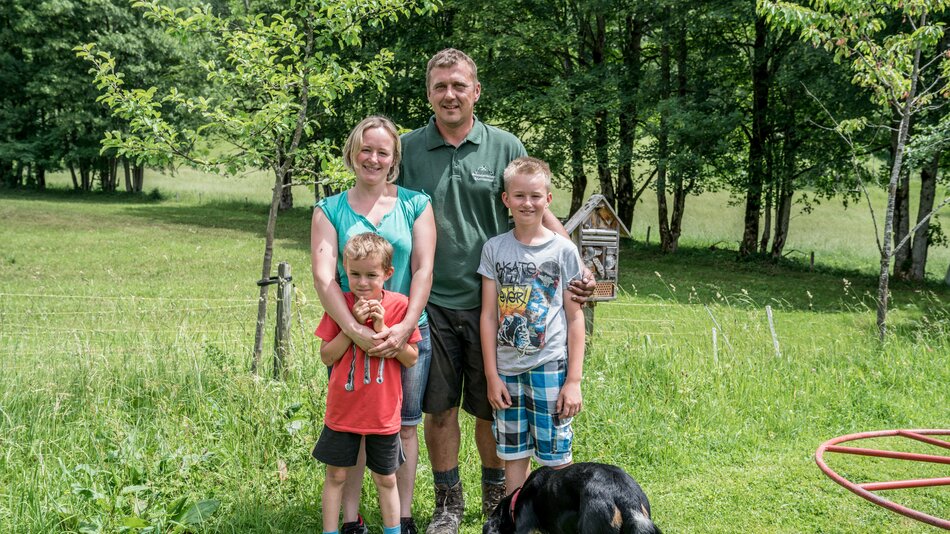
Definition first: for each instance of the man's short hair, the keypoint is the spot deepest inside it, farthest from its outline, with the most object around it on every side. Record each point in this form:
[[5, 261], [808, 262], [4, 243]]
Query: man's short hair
[[354, 143], [369, 245], [447, 58], [528, 166]]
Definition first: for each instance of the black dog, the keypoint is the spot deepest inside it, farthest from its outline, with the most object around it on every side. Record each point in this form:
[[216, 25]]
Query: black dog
[[584, 498]]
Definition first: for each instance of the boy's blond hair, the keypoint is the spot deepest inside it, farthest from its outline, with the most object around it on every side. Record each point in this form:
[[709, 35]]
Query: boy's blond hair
[[354, 143], [369, 245], [450, 57], [528, 166]]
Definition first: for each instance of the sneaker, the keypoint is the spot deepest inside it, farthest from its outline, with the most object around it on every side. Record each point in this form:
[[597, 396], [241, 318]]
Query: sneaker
[[408, 525], [355, 527], [492, 494], [449, 508]]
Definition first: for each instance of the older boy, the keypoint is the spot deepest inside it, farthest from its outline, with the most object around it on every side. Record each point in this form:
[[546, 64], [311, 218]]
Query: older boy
[[532, 332]]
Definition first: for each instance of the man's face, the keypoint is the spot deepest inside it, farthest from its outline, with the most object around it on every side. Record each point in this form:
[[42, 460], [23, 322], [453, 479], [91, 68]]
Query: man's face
[[452, 93]]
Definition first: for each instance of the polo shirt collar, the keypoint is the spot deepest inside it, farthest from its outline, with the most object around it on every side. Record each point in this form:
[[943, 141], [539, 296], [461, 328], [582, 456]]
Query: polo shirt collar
[[434, 138]]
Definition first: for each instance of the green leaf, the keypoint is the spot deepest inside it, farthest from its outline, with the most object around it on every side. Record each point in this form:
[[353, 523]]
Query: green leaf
[[198, 512], [134, 522]]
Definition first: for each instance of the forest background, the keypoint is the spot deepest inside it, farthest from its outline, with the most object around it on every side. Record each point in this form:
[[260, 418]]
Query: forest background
[[128, 271]]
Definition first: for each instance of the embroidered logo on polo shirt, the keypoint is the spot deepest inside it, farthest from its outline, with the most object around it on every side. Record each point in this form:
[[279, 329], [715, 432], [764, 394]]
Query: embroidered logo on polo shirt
[[483, 174]]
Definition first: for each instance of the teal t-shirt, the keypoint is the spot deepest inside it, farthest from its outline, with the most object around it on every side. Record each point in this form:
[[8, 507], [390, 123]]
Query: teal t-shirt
[[395, 226], [465, 184]]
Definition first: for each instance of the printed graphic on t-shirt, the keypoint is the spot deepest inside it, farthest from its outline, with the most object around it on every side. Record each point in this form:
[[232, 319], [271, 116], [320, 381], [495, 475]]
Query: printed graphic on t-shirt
[[524, 298]]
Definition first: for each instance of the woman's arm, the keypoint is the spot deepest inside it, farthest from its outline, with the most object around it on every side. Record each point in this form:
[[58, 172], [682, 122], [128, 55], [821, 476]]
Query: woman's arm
[[323, 257], [423, 254]]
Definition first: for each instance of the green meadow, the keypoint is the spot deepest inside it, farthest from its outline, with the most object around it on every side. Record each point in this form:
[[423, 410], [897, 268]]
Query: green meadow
[[126, 402]]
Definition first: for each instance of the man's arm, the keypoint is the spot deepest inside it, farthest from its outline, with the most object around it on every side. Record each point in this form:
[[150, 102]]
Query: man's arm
[[583, 287]]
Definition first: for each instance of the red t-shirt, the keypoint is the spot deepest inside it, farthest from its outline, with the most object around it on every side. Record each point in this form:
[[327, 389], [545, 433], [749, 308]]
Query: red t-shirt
[[370, 408]]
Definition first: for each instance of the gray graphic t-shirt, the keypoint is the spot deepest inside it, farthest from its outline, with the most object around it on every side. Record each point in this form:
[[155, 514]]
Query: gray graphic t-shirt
[[530, 282]]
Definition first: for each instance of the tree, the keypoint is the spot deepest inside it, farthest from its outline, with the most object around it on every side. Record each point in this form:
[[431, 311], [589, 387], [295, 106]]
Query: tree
[[271, 79], [893, 65]]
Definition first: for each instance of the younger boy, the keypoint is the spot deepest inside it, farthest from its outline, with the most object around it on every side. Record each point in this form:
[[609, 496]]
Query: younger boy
[[363, 402], [532, 335]]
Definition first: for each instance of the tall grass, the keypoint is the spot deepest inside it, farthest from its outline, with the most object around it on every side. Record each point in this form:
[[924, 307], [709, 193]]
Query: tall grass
[[126, 402]]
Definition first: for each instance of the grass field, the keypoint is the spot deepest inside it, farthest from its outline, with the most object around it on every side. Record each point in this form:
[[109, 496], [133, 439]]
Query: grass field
[[126, 404]]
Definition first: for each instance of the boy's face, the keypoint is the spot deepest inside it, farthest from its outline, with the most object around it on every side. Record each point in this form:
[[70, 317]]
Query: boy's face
[[527, 197], [367, 276]]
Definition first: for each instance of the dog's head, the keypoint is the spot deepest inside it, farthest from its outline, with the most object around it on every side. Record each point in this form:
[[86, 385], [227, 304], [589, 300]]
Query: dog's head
[[501, 521]]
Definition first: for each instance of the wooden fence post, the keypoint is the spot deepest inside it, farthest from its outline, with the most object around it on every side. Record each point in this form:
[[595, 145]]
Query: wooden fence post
[[588, 310], [285, 293]]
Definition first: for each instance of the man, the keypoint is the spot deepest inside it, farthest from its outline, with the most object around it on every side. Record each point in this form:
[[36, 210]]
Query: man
[[459, 161]]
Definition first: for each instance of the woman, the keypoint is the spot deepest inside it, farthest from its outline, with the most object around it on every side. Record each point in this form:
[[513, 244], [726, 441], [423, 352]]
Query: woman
[[375, 204]]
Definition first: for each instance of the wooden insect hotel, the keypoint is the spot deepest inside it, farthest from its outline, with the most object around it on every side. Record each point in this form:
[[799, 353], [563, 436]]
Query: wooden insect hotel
[[596, 231]]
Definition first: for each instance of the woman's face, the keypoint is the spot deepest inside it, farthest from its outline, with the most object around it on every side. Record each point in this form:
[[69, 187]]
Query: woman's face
[[374, 159]]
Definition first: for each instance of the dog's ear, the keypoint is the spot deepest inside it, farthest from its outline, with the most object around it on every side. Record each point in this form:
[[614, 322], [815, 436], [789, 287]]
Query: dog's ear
[[507, 523], [500, 520]]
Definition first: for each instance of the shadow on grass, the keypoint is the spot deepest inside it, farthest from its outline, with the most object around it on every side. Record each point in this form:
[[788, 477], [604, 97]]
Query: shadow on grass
[[52, 194], [292, 225], [700, 274]]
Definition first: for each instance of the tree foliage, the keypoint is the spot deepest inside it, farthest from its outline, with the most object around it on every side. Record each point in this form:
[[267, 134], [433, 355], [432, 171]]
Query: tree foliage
[[270, 80], [893, 48]]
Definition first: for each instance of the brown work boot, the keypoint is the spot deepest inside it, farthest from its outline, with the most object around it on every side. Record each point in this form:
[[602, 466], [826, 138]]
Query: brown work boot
[[492, 494], [449, 508]]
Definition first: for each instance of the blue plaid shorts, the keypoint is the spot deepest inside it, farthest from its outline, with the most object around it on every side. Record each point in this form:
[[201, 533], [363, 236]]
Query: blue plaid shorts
[[531, 426]]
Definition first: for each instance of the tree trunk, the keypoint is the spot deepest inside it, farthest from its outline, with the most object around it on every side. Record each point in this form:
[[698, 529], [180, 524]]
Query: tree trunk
[[72, 173], [265, 270], [906, 113], [40, 177], [287, 193], [783, 211], [138, 177], [85, 180], [946, 277], [679, 189], [601, 115], [920, 245], [127, 169], [629, 86], [757, 140], [767, 222], [578, 176], [902, 261], [663, 143]]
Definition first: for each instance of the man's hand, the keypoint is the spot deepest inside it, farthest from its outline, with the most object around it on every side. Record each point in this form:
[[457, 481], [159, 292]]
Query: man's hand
[[582, 288]]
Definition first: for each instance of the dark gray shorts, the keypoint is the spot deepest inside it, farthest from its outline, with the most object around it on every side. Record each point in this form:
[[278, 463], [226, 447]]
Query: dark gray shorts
[[340, 449], [457, 373]]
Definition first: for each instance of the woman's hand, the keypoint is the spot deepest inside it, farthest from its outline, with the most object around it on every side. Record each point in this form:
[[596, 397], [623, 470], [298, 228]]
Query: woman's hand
[[391, 340]]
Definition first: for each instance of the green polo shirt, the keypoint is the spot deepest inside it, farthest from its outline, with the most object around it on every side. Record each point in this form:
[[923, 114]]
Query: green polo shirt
[[465, 184]]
